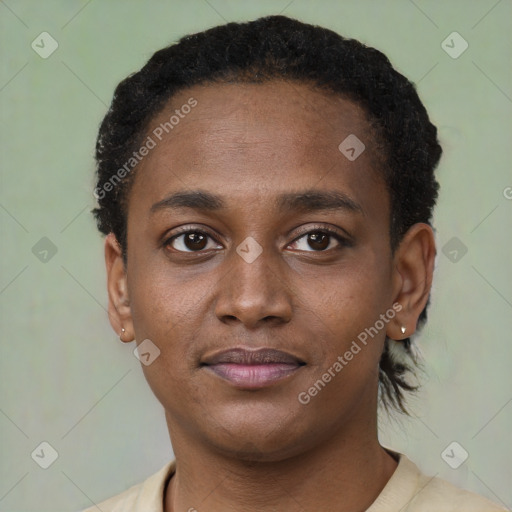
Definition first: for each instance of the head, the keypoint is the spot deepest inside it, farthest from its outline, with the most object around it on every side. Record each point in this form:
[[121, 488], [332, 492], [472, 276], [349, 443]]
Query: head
[[311, 154]]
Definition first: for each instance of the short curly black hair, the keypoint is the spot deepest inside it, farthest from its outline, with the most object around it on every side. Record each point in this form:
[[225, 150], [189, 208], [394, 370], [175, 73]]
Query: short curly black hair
[[281, 48]]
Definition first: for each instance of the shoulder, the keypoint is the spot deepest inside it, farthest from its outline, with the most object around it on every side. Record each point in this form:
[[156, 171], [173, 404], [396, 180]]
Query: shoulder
[[409, 490], [438, 494], [118, 503], [146, 496]]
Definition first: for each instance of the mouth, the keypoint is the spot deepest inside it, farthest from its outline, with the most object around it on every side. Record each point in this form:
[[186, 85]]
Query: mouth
[[252, 369]]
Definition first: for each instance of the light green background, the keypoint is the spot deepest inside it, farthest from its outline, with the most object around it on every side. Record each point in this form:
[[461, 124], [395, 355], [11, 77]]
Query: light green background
[[65, 377]]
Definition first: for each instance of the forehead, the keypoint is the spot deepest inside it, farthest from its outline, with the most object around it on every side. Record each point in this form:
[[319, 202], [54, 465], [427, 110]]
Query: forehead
[[251, 139], [306, 119]]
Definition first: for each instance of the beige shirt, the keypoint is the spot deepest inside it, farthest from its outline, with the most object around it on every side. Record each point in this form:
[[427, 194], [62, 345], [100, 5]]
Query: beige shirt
[[408, 490]]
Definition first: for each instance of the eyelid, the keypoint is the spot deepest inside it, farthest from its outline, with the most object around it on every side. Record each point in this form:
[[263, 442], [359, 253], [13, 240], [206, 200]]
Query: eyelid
[[190, 228], [336, 233]]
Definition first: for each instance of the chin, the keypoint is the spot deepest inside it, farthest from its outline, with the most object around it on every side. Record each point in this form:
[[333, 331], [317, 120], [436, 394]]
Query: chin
[[259, 450], [266, 440]]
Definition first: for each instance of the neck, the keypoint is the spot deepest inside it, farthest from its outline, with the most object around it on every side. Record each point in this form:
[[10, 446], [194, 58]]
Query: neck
[[347, 473]]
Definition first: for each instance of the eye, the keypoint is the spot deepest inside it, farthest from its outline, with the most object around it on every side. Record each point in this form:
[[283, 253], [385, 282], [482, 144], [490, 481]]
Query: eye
[[196, 240], [319, 240], [191, 240]]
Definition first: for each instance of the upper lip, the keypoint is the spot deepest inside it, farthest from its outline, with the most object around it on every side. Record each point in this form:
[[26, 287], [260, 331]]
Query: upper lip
[[251, 357]]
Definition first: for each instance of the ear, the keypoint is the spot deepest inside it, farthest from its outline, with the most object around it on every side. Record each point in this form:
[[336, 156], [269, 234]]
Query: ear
[[412, 279], [119, 311]]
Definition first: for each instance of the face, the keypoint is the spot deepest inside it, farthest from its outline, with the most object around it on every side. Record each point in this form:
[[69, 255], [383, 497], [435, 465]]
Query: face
[[281, 244]]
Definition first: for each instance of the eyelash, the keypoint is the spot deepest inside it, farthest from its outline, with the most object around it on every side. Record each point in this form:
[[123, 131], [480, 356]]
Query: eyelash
[[344, 242]]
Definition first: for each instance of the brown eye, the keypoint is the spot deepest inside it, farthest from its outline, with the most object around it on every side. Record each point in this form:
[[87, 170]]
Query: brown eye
[[319, 240], [189, 241], [194, 241]]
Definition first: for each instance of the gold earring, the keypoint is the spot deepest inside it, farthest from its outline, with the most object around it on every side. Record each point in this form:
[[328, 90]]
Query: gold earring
[[402, 329]]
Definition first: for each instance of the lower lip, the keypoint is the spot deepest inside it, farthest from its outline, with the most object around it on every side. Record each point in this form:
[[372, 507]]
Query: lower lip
[[255, 375]]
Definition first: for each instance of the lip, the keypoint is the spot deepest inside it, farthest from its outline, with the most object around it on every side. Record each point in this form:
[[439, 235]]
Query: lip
[[252, 369]]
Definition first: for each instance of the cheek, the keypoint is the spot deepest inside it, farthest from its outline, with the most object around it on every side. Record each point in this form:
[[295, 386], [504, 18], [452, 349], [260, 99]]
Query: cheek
[[349, 305], [345, 367], [172, 307], [353, 296], [165, 301]]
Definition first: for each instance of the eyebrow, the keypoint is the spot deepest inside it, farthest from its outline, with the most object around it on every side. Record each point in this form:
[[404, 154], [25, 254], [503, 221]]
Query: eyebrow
[[306, 201]]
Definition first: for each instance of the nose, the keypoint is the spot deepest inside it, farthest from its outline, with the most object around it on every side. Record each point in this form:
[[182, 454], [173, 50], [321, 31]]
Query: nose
[[254, 293]]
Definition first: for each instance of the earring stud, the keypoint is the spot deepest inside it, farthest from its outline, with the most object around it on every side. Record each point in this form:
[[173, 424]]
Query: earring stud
[[402, 329]]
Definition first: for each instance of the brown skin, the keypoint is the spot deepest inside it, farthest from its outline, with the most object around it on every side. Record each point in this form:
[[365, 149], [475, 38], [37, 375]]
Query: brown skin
[[263, 450]]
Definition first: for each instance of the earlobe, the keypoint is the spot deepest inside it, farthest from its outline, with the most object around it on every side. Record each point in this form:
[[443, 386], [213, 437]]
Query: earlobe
[[122, 336], [118, 301], [414, 268]]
